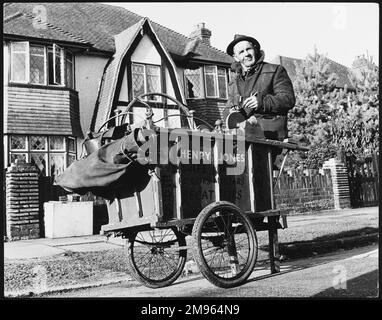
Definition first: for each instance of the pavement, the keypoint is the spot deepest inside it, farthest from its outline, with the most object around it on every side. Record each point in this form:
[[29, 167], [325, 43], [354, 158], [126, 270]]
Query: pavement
[[47, 247]]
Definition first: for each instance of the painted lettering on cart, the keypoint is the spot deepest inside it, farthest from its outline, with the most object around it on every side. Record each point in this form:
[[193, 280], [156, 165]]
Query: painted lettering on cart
[[180, 146]]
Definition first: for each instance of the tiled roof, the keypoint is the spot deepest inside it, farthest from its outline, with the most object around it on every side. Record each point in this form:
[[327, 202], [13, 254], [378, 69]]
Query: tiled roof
[[96, 24], [340, 70]]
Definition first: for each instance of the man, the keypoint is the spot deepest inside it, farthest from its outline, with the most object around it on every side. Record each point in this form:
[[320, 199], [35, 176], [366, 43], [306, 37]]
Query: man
[[263, 91], [260, 89]]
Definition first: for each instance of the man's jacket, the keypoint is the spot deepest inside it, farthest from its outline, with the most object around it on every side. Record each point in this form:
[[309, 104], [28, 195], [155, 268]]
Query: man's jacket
[[275, 95]]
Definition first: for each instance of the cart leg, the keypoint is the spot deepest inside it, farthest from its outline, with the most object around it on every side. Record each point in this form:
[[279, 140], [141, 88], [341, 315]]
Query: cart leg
[[233, 260], [274, 256]]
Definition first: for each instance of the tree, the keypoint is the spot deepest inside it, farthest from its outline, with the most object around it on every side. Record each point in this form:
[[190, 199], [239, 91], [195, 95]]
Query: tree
[[310, 119], [328, 118]]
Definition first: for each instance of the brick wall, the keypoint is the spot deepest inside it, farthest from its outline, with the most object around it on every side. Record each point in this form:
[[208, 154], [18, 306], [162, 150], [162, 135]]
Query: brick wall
[[302, 191], [207, 109], [22, 202]]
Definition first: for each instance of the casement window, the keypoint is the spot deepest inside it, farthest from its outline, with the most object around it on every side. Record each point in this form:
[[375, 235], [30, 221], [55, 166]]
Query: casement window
[[41, 65], [50, 154], [215, 82], [206, 82], [193, 83], [145, 79]]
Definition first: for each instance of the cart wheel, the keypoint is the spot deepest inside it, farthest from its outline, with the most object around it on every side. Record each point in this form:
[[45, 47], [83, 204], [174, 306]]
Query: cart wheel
[[154, 257], [226, 244]]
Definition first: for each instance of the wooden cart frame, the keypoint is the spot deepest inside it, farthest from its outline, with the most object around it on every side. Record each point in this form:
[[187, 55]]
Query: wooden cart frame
[[142, 209]]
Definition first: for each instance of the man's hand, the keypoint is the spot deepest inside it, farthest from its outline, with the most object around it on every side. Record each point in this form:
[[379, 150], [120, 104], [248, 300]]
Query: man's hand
[[251, 102]]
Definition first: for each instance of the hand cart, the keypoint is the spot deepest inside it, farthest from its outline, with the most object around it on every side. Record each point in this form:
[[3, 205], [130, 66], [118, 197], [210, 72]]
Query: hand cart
[[169, 208]]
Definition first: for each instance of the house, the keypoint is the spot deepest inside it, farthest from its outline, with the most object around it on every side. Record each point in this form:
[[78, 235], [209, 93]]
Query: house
[[69, 66], [340, 70]]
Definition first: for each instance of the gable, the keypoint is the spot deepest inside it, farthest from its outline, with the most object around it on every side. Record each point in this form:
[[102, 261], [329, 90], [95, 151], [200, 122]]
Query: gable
[[138, 43]]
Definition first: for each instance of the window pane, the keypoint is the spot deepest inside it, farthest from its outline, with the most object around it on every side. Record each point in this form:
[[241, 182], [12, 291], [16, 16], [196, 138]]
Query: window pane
[[193, 83], [50, 66], [39, 160], [38, 143], [71, 159], [138, 84], [18, 143], [209, 69], [18, 66], [37, 65], [56, 164], [56, 143], [71, 145], [153, 81], [19, 47], [18, 156], [69, 70], [57, 64], [137, 68], [222, 87], [210, 85], [221, 72], [153, 84]]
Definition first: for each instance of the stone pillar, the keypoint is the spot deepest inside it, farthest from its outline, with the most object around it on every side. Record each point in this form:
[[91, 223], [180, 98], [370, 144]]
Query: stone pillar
[[340, 183], [22, 202]]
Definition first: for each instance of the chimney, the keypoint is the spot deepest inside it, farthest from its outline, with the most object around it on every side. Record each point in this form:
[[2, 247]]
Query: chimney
[[201, 33]]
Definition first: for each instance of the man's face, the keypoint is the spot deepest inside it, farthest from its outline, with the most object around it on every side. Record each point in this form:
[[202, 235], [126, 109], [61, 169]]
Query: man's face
[[244, 53]]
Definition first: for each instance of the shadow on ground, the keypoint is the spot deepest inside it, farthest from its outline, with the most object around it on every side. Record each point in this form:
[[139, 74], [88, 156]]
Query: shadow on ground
[[328, 243]]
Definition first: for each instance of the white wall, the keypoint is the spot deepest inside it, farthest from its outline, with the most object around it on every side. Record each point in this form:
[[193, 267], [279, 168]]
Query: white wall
[[146, 52], [88, 73]]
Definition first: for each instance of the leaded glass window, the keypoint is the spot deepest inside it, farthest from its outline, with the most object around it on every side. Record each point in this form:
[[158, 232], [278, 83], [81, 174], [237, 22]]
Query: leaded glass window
[[37, 64], [38, 143], [146, 79], [40, 161], [18, 143], [56, 143], [50, 154], [57, 164], [138, 79], [18, 156], [41, 65], [193, 83]]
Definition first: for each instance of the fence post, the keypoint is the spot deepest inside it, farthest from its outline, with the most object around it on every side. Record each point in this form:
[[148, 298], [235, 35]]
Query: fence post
[[375, 158], [340, 183], [22, 201]]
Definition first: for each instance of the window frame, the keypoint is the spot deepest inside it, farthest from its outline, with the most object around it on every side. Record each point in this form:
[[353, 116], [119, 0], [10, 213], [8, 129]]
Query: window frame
[[202, 84], [216, 81], [47, 152], [45, 64], [62, 66], [27, 66], [144, 65], [47, 47]]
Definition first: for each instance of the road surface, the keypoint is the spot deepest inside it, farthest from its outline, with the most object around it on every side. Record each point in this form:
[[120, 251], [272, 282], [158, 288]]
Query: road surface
[[351, 274]]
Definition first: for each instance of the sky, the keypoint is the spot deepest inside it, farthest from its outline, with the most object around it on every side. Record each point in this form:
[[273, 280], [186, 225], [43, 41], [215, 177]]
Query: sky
[[341, 31]]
